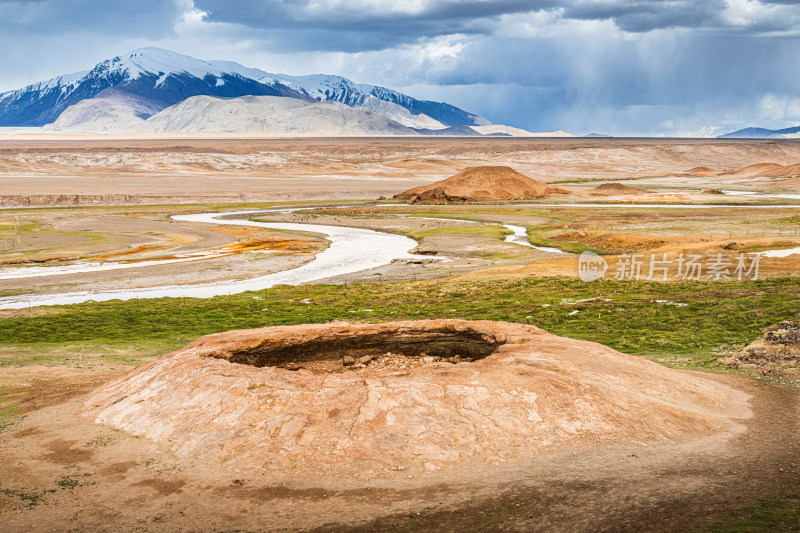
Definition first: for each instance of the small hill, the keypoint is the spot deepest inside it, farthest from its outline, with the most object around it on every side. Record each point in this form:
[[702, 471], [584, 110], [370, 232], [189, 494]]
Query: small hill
[[111, 110], [764, 170], [788, 171], [499, 129], [481, 184], [702, 171], [456, 131], [614, 189], [750, 171]]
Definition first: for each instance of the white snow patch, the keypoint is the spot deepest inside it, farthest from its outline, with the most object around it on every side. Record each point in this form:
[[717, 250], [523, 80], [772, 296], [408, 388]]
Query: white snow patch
[[780, 253]]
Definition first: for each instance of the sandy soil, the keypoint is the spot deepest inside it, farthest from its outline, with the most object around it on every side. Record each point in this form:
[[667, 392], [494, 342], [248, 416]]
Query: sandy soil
[[61, 471], [102, 171]]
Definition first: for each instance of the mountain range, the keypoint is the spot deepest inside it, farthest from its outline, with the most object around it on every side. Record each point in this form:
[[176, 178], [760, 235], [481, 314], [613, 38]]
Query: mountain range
[[152, 89], [762, 133]]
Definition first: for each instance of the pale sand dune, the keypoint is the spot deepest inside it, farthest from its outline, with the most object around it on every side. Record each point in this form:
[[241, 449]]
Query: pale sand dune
[[518, 132], [269, 114]]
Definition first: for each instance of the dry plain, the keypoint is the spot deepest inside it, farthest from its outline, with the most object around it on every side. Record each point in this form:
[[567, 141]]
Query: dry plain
[[69, 203]]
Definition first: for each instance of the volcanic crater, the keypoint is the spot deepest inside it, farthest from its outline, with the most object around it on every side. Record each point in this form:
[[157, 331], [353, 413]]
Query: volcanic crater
[[365, 401]]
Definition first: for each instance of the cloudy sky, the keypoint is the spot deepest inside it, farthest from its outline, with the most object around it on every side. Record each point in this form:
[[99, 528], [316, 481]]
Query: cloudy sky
[[622, 67]]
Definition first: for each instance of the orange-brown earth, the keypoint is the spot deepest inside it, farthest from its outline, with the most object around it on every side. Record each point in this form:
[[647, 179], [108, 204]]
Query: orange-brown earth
[[481, 184], [245, 400], [589, 471], [777, 174]]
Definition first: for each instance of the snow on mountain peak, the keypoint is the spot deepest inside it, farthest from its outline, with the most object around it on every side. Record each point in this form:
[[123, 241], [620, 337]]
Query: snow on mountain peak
[[160, 62]]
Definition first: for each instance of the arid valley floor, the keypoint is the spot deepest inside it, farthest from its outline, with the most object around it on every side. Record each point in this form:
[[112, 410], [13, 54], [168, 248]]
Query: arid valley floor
[[690, 433]]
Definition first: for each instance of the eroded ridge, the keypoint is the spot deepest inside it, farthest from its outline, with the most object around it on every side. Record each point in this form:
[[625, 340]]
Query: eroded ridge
[[515, 392]]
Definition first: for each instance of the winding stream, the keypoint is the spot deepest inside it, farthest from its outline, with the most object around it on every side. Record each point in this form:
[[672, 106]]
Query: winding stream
[[351, 250], [520, 236]]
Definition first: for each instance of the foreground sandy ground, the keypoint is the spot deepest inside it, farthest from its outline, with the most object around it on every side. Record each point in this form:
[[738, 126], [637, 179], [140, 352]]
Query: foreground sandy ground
[[62, 472]]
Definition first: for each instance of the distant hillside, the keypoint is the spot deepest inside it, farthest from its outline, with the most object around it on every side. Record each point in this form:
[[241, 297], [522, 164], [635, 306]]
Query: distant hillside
[[615, 189], [112, 110], [269, 115], [760, 133]]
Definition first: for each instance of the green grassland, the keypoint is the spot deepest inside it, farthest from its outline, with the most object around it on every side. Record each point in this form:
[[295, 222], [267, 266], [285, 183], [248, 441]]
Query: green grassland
[[624, 315]]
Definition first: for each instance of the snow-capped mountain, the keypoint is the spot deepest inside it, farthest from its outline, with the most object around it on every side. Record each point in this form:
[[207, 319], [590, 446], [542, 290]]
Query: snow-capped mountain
[[160, 76], [360, 95], [163, 78]]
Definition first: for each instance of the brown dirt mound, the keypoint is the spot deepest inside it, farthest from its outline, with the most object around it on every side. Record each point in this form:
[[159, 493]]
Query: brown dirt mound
[[702, 171], [775, 354], [513, 392], [766, 170], [481, 184], [789, 171], [613, 189]]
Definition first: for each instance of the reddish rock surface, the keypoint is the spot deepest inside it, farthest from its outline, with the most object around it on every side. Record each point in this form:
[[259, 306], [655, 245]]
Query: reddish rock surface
[[519, 392]]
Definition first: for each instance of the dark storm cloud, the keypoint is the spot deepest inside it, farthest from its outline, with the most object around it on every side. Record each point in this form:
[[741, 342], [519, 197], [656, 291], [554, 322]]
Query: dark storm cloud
[[275, 13], [140, 18], [383, 25], [646, 15], [614, 66], [349, 27]]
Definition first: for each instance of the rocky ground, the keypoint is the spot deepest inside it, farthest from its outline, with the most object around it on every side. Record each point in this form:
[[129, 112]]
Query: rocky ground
[[776, 354]]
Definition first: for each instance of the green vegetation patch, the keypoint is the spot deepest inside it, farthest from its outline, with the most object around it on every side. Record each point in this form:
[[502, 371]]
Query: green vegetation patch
[[488, 230], [31, 497], [643, 318]]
